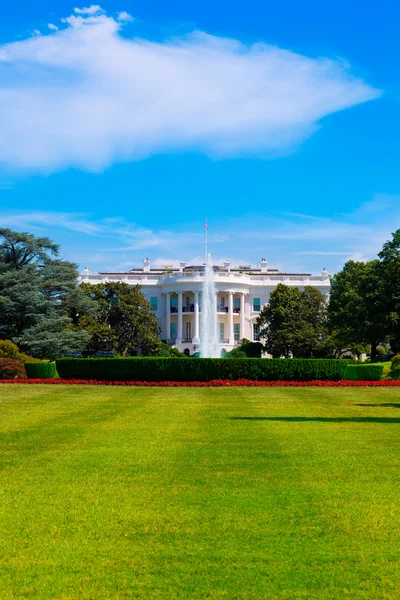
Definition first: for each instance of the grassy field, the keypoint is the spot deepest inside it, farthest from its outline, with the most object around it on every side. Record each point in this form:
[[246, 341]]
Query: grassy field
[[277, 493]]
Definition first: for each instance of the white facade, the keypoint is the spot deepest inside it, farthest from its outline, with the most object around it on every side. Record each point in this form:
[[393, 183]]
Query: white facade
[[241, 292]]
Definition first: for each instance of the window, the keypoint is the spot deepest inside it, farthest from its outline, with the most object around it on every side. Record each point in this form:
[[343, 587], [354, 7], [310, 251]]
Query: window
[[256, 304], [236, 304], [221, 332], [188, 331], [173, 331], [154, 304], [256, 332], [174, 300], [236, 331]]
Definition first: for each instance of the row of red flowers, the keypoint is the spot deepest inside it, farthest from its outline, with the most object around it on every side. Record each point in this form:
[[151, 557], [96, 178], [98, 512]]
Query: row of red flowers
[[213, 383]]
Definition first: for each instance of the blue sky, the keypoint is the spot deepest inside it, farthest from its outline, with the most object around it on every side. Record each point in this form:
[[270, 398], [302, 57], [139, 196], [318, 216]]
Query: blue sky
[[122, 129]]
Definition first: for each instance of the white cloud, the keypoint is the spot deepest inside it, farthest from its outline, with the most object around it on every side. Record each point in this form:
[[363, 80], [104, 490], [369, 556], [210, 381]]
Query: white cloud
[[381, 203], [87, 97], [42, 220], [36, 32], [52, 27], [125, 17], [116, 228], [93, 9], [294, 244]]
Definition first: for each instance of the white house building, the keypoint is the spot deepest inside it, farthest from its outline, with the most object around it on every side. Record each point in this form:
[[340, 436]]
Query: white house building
[[241, 292]]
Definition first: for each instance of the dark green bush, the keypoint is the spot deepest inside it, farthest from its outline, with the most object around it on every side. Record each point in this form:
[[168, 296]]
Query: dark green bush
[[395, 367], [41, 370], [205, 369], [12, 369], [395, 362], [246, 350], [363, 372]]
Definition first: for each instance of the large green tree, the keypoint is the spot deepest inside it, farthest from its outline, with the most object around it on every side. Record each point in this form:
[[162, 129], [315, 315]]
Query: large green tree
[[294, 322], [20, 249], [36, 290], [390, 288], [357, 314], [124, 319]]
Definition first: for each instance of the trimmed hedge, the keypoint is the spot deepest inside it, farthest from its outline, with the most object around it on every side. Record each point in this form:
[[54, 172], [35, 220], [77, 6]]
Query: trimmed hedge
[[204, 369], [363, 372], [41, 370]]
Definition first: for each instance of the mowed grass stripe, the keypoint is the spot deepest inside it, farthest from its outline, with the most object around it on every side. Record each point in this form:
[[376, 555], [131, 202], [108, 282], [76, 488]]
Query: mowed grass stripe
[[193, 493]]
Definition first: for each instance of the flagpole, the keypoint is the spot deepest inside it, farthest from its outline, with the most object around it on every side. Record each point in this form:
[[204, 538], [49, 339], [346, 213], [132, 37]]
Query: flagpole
[[206, 240]]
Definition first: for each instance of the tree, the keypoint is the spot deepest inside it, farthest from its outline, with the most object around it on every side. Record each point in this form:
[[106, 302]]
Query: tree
[[390, 285], [20, 249], [51, 338], [357, 315], [127, 314], [36, 294], [294, 322], [311, 331]]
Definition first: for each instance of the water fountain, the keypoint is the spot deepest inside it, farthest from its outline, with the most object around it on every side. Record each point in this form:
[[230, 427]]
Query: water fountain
[[208, 321]]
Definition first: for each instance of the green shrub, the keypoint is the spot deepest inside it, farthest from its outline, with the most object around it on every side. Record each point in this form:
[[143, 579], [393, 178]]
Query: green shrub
[[395, 367], [395, 362], [205, 369], [246, 350], [10, 350], [363, 372], [11, 369], [41, 370]]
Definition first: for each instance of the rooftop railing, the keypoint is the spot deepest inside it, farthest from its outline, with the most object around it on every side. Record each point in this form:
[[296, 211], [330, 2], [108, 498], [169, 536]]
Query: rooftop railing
[[196, 276]]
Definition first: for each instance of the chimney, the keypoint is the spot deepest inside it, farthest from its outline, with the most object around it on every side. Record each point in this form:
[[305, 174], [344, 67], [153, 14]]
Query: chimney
[[85, 274], [227, 264], [263, 265], [324, 272], [182, 265], [146, 265]]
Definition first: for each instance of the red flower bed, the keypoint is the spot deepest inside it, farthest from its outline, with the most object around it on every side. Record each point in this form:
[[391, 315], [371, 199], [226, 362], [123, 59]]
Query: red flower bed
[[214, 383]]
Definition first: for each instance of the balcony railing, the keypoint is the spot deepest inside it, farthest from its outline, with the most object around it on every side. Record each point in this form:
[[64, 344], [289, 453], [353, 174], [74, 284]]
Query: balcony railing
[[221, 308], [186, 340], [189, 308], [185, 309]]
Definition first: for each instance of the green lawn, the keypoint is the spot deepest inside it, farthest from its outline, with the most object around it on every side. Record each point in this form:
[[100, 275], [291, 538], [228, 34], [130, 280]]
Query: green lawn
[[247, 493]]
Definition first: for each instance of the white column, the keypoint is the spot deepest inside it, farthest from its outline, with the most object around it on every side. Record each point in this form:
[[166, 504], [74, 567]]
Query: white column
[[168, 314], [242, 316], [196, 338], [179, 328], [230, 318]]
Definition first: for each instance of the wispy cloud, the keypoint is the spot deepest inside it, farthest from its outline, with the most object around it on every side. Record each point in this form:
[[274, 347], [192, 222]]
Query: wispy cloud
[[292, 243], [85, 96], [44, 220], [116, 229], [125, 17], [93, 9]]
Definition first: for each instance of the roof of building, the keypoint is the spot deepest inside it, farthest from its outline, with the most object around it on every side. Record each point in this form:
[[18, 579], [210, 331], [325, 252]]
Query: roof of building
[[261, 268]]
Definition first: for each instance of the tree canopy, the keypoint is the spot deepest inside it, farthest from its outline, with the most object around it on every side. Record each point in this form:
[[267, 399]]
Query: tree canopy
[[34, 295], [294, 322], [390, 288], [124, 320], [20, 249]]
